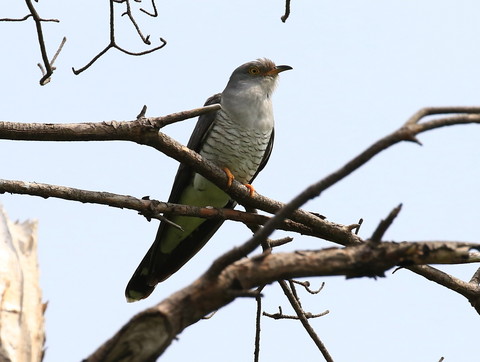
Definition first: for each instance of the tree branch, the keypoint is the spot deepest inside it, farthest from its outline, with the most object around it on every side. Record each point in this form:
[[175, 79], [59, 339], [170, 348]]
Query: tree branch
[[112, 43], [150, 332], [469, 290], [295, 303], [287, 11], [145, 131], [385, 224], [379, 256], [407, 132], [47, 67], [151, 209]]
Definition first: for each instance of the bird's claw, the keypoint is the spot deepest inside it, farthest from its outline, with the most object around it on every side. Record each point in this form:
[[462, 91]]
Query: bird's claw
[[251, 189], [229, 176]]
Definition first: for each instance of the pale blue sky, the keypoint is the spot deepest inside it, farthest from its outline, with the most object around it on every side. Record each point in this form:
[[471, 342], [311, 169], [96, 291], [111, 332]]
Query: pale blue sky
[[360, 70]]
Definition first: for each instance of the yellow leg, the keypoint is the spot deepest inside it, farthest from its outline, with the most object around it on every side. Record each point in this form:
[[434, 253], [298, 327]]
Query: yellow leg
[[229, 175], [250, 189]]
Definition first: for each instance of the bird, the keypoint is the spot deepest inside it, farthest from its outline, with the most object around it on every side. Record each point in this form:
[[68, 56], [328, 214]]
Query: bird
[[239, 139]]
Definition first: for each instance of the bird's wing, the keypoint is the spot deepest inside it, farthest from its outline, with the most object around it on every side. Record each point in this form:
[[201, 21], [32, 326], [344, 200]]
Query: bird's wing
[[266, 155], [184, 173], [157, 265], [163, 265]]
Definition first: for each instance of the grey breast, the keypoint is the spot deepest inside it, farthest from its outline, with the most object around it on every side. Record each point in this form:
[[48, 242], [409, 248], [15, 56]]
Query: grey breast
[[238, 148]]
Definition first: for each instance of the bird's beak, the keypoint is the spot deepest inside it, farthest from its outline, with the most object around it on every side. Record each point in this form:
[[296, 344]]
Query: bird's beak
[[278, 69]]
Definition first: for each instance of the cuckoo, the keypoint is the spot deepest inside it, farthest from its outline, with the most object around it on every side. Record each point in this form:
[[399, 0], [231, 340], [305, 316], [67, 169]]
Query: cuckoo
[[239, 139]]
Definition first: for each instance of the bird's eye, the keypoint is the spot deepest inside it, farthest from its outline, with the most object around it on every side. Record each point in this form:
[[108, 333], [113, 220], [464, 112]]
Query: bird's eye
[[254, 71]]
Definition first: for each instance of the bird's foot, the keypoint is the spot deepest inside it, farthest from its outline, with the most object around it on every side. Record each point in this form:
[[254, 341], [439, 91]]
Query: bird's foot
[[230, 179], [251, 189], [229, 176]]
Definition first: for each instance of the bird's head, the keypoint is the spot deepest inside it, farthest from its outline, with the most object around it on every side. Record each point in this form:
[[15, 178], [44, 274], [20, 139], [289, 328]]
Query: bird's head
[[261, 73]]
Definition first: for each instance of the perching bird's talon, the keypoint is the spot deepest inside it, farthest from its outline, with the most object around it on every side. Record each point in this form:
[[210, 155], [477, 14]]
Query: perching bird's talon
[[251, 189], [229, 176]]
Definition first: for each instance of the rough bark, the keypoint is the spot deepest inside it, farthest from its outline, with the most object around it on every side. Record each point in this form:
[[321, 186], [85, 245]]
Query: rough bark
[[22, 333]]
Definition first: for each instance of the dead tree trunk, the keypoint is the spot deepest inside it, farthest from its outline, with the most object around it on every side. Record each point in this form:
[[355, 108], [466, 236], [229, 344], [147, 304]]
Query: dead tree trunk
[[22, 332]]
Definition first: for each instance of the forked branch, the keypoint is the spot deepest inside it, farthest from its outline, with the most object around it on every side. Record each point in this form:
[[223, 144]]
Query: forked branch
[[46, 67], [112, 43], [150, 332]]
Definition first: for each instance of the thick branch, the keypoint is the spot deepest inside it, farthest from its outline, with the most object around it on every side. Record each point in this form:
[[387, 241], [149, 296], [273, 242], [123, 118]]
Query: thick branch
[[470, 290], [149, 333], [145, 131], [133, 131], [407, 132], [151, 209]]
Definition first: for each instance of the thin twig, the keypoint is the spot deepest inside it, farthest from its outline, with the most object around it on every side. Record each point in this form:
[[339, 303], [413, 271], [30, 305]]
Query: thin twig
[[430, 111], [294, 292], [43, 70], [128, 12], [280, 315], [303, 319], [26, 17], [113, 45], [385, 224], [306, 285], [258, 299], [155, 12], [280, 242], [58, 50], [48, 68], [287, 11]]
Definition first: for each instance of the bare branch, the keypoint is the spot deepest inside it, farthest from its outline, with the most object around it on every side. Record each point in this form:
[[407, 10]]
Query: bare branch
[[113, 45], [359, 223], [46, 67], [306, 285], [287, 11], [405, 133], [280, 315], [430, 111], [60, 47], [280, 242], [155, 12], [385, 224], [471, 291], [145, 131], [128, 12], [27, 16], [304, 320], [94, 59], [43, 70], [21, 19], [101, 131], [147, 334], [258, 299], [151, 209]]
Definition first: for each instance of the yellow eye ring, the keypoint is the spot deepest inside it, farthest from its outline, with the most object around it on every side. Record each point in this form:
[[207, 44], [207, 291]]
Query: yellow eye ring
[[254, 71]]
